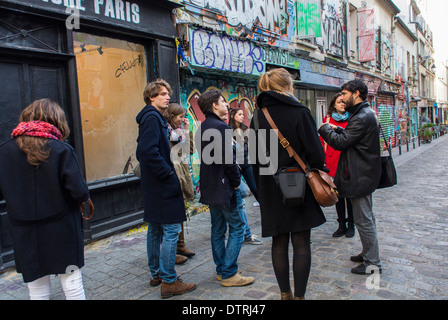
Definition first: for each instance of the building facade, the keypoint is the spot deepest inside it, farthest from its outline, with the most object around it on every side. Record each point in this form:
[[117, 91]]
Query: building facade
[[94, 58]]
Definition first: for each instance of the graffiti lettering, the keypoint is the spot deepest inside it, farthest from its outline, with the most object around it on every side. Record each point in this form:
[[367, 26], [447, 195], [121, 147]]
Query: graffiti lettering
[[224, 53], [127, 65], [308, 18], [333, 33], [244, 14]]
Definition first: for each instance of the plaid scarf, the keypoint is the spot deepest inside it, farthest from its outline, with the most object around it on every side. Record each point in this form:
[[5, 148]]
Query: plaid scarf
[[37, 129]]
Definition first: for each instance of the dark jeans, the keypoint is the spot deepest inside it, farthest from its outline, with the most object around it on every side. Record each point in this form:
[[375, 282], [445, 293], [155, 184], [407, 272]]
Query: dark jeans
[[248, 176]]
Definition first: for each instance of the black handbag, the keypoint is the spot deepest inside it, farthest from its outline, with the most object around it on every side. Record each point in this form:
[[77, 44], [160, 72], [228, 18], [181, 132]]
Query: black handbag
[[292, 183], [388, 172], [321, 184]]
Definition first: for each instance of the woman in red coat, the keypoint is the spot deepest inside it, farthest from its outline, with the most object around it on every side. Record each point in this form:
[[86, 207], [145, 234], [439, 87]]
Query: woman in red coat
[[337, 115]]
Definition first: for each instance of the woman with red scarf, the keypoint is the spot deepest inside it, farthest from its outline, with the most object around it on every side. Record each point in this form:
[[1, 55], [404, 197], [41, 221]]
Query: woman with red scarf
[[42, 185], [337, 115]]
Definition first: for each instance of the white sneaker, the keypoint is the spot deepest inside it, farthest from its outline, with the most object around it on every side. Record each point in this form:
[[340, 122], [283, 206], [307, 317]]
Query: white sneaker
[[252, 240], [256, 204]]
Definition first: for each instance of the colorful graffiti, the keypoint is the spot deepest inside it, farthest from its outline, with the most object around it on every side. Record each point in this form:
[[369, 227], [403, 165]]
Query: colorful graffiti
[[333, 30], [274, 22], [236, 93], [308, 18], [224, 53], [250, 18], [366, 25], [386, 53]]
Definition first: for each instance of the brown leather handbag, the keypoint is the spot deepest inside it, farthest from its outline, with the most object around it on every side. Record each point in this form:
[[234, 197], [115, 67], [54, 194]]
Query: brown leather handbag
[[322, 185]]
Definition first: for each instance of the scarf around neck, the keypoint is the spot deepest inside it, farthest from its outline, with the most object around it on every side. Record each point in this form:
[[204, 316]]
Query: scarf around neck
[[340, 117], [37, 129], [176, 135]]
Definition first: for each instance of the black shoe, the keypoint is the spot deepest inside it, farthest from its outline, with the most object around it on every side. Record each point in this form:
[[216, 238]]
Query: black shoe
[[357, 258], [341, 231], [350, 230], [361, 269]]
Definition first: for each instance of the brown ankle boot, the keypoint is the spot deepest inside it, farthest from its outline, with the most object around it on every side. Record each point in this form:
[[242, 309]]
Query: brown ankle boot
[[299, 298], [180, 259], [176, 288], [286, 295], [181, 247]]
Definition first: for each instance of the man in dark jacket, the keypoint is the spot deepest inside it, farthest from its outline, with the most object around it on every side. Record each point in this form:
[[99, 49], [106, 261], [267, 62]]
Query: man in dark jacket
[[359, 168], [162, 194], [219, 181]]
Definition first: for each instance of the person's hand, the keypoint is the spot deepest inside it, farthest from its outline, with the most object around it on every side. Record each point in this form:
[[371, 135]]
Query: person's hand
[[186, 124]]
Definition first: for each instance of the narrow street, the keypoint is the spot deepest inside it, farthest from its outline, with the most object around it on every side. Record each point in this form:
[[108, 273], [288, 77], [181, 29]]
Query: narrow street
[[412, 224]]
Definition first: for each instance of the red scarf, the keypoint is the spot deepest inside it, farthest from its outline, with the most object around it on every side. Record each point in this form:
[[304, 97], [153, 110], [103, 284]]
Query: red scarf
[[37, 129]]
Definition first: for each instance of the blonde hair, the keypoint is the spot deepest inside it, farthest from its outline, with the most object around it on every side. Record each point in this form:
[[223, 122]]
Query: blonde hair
[[153, 88], [48, 111], [278, 80]]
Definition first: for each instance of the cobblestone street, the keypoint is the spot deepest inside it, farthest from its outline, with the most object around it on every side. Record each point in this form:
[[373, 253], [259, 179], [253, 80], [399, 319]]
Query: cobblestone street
[[412, 226]]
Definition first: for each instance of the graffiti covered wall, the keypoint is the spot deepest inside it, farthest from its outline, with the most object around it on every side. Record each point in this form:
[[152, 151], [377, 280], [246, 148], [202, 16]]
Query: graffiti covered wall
[[224, 53], [276, 23], [236, 93]]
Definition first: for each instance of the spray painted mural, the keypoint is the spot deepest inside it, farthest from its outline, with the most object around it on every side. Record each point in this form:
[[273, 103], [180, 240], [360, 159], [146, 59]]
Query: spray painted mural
[[236, 93], [224, 53], [333, 27], [274, 22], [244, 17]]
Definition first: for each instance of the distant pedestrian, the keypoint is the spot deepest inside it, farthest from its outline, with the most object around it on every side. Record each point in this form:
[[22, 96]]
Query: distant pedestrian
[[42, 185], [337, 115], [236, 122], [182, 137], [357, 174], [162, 194], [219, 179], [287, 224]]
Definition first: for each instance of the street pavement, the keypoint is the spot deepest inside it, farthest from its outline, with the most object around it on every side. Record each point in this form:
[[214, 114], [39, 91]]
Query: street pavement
[[412, 225]]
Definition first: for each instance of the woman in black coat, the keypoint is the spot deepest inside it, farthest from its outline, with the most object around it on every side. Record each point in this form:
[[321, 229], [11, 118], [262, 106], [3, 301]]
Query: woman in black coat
[[282, 223], [42, 185]]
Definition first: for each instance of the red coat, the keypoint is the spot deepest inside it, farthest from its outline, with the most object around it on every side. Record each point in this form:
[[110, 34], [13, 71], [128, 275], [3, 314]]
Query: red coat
[[332, 155]]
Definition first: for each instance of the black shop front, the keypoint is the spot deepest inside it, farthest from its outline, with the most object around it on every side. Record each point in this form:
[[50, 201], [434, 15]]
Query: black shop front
[[94, 57]]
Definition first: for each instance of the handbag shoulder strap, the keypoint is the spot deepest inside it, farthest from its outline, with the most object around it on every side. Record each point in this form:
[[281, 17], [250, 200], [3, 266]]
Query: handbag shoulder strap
[[283, 141], [385, 141]]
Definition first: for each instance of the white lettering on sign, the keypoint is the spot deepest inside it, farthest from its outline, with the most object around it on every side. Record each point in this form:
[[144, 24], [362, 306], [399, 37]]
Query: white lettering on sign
[[116, 9]]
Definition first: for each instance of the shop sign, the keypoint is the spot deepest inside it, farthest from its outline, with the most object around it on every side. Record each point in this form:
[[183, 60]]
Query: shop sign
[[129, 14], [324, 75]]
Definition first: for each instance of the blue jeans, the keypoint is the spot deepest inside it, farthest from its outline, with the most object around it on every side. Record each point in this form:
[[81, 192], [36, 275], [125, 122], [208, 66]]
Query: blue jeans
[[225, 257], [162, 254], [240, 203]]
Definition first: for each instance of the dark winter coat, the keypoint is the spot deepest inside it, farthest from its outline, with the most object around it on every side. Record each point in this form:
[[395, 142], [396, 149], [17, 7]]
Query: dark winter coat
[[359, 167], [161, 189], [43, 208], [219, 178], [295, 122]]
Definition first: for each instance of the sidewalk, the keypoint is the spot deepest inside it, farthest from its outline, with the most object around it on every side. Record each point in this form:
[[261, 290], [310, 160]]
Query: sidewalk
[[413, 238]]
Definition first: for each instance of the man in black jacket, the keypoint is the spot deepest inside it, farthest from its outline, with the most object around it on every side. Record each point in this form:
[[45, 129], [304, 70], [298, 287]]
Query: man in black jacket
[[359, 168], [219, 181]]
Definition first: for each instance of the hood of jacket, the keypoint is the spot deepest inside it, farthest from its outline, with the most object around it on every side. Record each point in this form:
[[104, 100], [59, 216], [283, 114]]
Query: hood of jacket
[[150, 110], [272, 98]]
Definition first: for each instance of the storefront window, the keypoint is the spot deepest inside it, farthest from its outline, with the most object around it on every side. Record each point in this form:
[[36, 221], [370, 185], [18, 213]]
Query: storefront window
[[111, 80]]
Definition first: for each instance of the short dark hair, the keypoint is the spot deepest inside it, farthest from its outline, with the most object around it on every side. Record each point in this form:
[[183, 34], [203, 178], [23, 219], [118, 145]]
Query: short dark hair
[[207, 99], [356, 85]]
